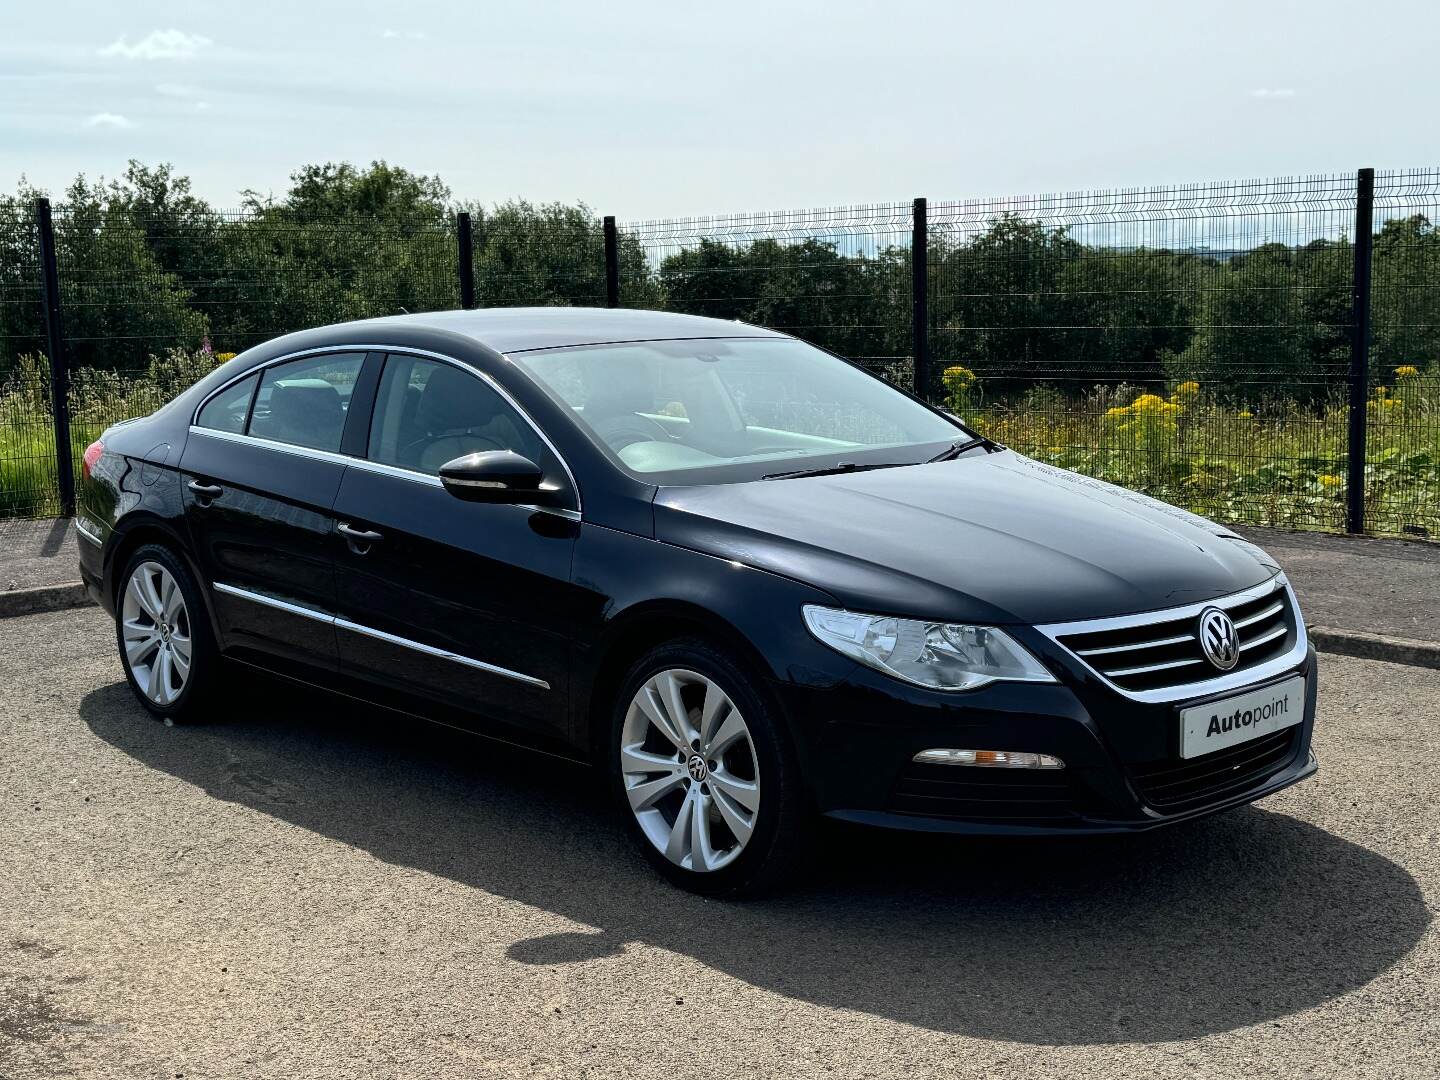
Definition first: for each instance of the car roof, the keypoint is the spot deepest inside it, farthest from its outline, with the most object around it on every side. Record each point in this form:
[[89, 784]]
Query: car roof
[[516, 329]]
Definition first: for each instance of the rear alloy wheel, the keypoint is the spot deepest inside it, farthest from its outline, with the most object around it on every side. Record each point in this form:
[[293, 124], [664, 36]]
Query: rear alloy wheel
[[705, 773], [166, 645], [155, 630]]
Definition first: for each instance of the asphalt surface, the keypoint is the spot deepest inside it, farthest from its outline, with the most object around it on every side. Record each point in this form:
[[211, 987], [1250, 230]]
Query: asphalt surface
[[36, 552], [1359, 583], [306, 889]]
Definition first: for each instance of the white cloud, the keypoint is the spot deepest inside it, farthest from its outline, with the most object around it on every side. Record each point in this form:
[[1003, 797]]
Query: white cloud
[[108, 120], [1278, 92], [158, 45], [170, 89], [408, 35]]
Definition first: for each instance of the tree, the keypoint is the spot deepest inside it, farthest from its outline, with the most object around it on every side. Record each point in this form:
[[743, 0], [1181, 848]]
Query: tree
[[1405, 297], [850, 304], [997, 305]]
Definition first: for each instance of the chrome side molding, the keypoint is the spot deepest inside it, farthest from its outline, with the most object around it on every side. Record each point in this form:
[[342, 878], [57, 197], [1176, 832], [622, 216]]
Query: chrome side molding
[[380, 635]]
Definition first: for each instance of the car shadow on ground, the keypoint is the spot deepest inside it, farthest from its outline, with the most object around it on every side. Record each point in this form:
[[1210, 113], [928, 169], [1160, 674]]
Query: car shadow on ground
[[1230, 921]]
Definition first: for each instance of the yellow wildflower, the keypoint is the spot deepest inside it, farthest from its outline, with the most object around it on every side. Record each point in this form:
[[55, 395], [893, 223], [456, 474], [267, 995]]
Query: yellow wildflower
[[1187, 389], [1245, 414], [1330, 480], [1117, 411], [956, 376], [1149, 403], [1407, 371], [1381, 391], [221, 357], [1057, 449]]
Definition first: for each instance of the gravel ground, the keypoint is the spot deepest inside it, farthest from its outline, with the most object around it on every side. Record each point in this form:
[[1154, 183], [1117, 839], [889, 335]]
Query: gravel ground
[[306, 889]]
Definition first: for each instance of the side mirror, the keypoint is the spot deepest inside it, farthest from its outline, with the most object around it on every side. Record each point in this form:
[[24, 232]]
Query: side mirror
[[497, 476]]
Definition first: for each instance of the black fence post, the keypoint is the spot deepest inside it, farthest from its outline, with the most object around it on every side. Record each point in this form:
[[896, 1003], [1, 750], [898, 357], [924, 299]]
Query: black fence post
[[1360, 351], [920, 298], [467, 260], [612, 264], [55, 346]]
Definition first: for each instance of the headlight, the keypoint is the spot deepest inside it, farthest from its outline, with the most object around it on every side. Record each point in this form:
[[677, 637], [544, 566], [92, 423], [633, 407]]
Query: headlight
[[941, 656]]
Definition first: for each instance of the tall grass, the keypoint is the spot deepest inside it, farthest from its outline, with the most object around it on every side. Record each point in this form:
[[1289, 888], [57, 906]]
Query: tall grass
[[1274, 463], [98, 398]]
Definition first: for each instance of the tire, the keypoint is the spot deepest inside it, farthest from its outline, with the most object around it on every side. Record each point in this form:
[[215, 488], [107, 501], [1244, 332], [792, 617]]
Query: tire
[[160, 615], [715, 802]]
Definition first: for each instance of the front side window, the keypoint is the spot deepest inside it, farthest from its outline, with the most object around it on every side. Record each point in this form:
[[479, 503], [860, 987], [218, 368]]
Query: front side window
[[428, 413], [303, 402], [230, 408], [708, 410]]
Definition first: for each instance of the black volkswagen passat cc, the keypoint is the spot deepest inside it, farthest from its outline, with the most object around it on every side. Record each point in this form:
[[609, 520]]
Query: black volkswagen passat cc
[[750, 580]]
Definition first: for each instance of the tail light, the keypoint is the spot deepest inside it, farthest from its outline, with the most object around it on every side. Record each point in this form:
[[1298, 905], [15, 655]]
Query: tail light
[[92, 455]]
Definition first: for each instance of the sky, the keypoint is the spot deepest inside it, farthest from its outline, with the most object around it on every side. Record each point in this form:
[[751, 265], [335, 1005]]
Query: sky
[[645, 110]]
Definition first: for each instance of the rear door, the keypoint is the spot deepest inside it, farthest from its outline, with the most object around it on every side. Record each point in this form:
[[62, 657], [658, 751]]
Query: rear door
[[260, 473], [464, 603]]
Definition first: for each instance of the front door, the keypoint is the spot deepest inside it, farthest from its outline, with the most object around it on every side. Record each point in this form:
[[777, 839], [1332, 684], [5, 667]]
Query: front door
[[260, 473], [465, 603]]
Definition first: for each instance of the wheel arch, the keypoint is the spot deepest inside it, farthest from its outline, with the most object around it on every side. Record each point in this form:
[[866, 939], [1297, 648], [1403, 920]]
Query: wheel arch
[[638, 630], [133, 533]]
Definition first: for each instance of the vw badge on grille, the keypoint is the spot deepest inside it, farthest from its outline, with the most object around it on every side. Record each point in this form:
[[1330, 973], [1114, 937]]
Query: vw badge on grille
[[1218, 639]]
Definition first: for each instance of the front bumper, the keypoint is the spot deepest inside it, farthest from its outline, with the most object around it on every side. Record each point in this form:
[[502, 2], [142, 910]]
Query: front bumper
[[857, 735]]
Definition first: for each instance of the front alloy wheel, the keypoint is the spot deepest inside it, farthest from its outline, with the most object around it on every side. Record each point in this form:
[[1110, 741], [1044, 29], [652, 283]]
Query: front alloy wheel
[[690, 771], [704, 770]]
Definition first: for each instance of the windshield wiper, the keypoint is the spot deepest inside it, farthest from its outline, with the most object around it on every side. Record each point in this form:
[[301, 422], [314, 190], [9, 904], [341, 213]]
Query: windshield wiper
[[954, 450], [832, 470]]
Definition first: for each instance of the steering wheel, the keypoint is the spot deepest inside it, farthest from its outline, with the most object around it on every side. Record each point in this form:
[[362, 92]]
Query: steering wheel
[[619, 432]]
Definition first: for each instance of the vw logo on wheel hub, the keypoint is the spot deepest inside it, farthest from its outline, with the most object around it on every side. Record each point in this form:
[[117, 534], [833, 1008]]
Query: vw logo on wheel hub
[[698, 769], [1218, 639]]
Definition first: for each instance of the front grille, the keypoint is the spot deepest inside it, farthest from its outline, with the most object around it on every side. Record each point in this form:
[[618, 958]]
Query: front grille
[[1178, 784], [984, 794], [1162, 649]]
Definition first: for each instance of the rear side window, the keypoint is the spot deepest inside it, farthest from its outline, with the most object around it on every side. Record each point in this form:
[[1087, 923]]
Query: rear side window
[[305, 401], [229, 409]]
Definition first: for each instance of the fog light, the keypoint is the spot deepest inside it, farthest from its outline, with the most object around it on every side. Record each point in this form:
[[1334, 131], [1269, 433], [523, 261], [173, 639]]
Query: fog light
[[995, 759]]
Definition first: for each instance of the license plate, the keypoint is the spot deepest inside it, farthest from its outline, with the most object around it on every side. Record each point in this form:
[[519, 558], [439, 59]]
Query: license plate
[[1233, 720]]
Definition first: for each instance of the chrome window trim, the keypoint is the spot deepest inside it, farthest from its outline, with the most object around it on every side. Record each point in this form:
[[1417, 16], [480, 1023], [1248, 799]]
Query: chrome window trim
[[377, 466], [1230, 680], [358, 628], [83, 530]]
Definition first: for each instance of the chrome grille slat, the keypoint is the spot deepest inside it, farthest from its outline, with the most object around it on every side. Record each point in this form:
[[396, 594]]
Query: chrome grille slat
[[1156, 656], [1279, 631], [1180, 640], [1146, 669], [1251, 620]]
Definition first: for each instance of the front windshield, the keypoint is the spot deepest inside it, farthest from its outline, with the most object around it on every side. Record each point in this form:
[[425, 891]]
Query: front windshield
[[707, 410]]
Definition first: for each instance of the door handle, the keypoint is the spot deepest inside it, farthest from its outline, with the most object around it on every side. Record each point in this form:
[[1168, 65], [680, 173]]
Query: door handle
[[357, 537], [205, 491]]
